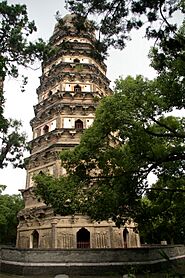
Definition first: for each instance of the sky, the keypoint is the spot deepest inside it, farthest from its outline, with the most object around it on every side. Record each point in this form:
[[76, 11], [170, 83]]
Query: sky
[[133, 60]]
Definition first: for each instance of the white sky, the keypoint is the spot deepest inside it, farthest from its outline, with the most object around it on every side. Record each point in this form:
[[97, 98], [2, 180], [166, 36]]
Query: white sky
[[131, 61]]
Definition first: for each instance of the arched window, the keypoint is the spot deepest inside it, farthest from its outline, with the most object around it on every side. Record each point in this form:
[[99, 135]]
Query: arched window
[[125, 237], [35, 239], [76, 60], [79, 124], [83, 238], [50, 93], [77, 88], [46, 129]]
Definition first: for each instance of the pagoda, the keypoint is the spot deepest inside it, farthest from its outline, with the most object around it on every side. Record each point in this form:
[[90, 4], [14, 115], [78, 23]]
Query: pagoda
[[73, 80]]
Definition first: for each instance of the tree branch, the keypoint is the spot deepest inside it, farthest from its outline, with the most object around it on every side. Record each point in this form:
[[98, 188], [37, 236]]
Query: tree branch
[[177, 134]]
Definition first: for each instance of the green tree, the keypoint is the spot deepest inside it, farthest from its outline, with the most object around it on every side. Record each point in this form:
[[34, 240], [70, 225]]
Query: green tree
[[10, 205], [15, 50], [161, 214]]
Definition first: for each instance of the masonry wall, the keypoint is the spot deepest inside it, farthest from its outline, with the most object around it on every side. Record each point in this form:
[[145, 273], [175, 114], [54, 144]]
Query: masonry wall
[[86, 261]]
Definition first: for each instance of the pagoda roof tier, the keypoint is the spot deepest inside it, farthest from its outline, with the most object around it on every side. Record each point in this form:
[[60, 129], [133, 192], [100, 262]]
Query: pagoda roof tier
[[50, 153], [77, 68], [63, 34], [100, 80], [74, 98], [28, 214], [47, 155], [64, 109], [64, 136], [76, 48], [69, 24]]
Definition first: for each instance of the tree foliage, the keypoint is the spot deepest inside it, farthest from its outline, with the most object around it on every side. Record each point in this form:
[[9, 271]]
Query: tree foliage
[[161, 215], [10, 205], [13, 145], [15, 50], [118, 18]]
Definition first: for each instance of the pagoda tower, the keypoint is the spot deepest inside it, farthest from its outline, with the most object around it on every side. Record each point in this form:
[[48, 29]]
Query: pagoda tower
[[72, 82]]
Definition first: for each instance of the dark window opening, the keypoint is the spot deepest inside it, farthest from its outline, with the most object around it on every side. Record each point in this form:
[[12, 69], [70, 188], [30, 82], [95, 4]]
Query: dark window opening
[[79, 124], [83, 238], [46, 129], [77, 88], [35, 237], [76, 60]]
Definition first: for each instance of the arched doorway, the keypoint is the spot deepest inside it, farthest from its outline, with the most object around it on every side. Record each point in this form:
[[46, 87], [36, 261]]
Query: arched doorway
[[125, 237], [83, 238], [35, 239], [79, 124]]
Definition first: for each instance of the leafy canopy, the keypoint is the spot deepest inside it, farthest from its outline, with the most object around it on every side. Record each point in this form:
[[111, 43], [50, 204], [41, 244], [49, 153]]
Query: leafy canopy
[[10, 205], [117, 18], [15, 48]]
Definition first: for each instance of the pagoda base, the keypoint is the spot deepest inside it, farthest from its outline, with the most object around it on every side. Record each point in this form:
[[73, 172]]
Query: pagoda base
[[40, 228]]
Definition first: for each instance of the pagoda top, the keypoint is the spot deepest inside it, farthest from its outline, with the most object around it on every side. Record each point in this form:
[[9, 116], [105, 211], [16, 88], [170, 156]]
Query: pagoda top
[[74, 24]]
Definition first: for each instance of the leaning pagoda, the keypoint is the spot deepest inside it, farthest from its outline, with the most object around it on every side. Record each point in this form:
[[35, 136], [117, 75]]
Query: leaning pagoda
[[72, 82]]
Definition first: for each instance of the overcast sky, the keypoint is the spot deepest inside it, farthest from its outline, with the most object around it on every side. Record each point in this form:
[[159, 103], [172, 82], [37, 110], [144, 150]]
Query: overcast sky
[[132, 60]]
